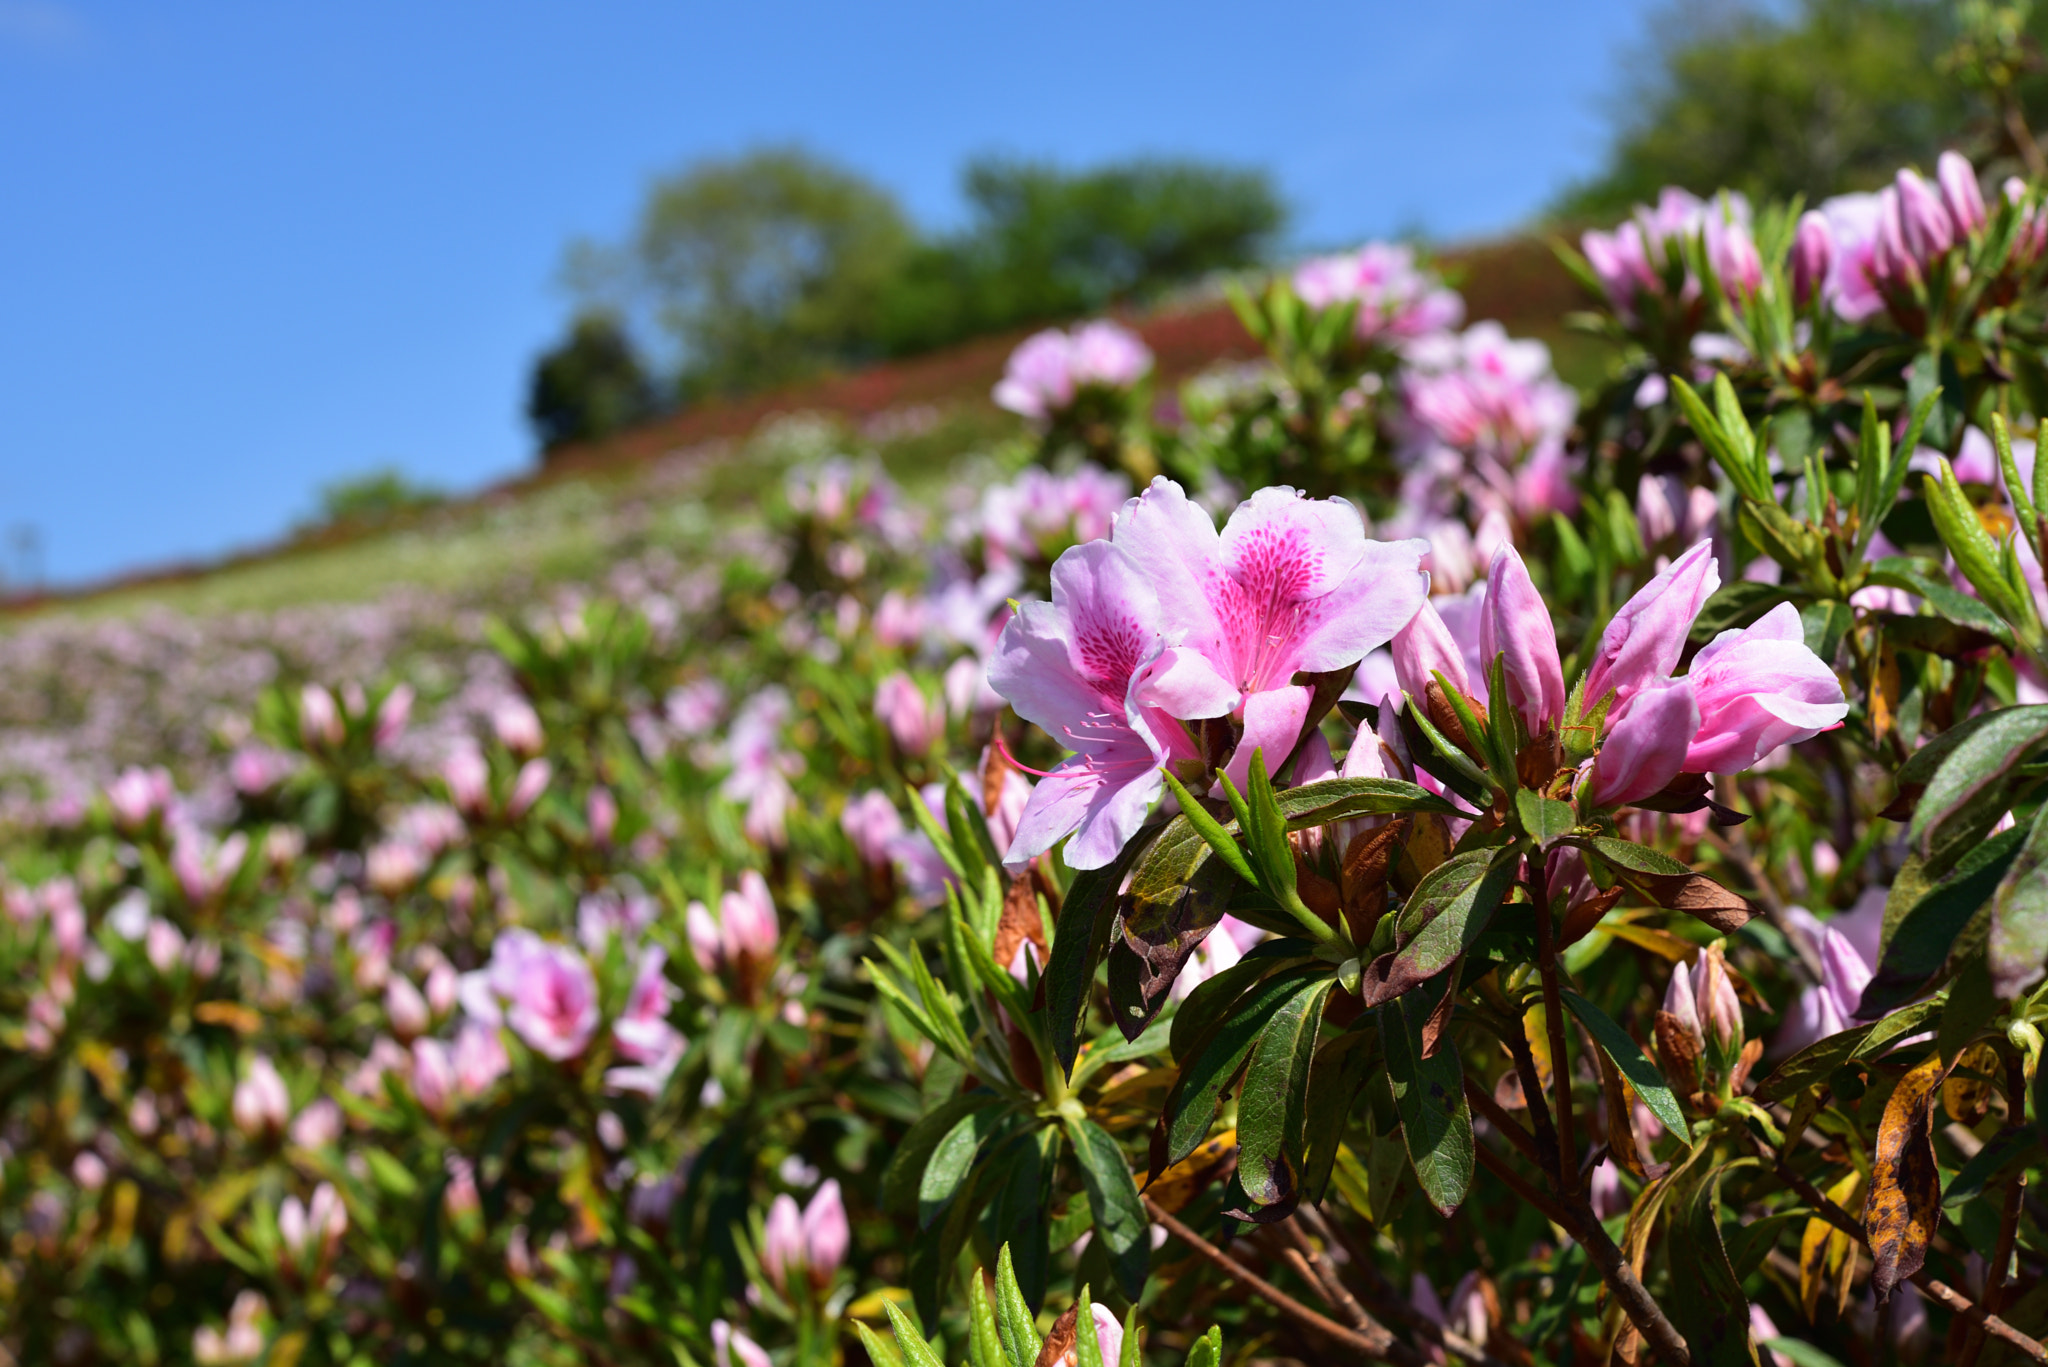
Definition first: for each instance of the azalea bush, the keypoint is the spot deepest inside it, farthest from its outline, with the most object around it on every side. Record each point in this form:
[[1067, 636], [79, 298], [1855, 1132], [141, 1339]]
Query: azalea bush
[[1376, 854]]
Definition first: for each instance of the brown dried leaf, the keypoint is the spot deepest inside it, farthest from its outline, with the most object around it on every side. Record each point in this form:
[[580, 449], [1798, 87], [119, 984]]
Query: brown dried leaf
[[1428, 845], [1751, 1052], [1968, 1099], [1020, 922], [1362, 881], [995, 773], [1580, 920], [1059, 1343], [1904, 1205], [1825, 1264], [1884, 691], [1445, 718], [1679, 1053], [1620, 1115], [1540, 760], [1178, 1185]]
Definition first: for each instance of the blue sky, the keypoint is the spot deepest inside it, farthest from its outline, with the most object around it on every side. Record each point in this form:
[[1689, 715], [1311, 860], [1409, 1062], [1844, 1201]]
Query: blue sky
[[249, 248]]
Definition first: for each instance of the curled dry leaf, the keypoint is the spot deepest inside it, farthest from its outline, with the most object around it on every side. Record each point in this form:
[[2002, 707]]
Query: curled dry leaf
[[1904, 1205]]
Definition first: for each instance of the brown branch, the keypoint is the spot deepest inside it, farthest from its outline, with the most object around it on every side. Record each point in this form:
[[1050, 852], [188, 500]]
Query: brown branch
[[1517, 1040], [1629, 1292], [1480, 1100], [1381, 1346], [1320, 1273]]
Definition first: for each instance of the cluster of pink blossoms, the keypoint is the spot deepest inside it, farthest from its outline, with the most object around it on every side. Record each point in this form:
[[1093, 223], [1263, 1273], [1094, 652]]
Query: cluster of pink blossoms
[[1397, 300], [1051, 369], [1168, 623], [1748, 691], [1634, 259]]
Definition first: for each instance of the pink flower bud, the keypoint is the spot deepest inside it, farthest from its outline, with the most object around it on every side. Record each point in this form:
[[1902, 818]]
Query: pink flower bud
[[318, 1125], [89, 1170], [433, 1076], [1813, 253], [910, 716], [468, 778], [1646, 747], [1604, 1191], [1960, 193], [1680, 1003], [1924, 224], [1426, 647], [1647, 636], [138, 794], [1890, 262], [602, 811], [392, 715], [1720, 1009], [527, 788], [164, 943], [311, 1231], [479, 1057], [747, 920], [1516, 623], [517, 726], [782, 1240], [261, 1103], [319, 718], [405, 1008], [460, 1198], [870, 822], [394, 866], [443, 987], [825, 1233], [702, 929], [729, 1345]]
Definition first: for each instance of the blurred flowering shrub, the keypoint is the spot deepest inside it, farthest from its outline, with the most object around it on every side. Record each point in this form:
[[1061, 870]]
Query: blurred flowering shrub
[[1373, 855]]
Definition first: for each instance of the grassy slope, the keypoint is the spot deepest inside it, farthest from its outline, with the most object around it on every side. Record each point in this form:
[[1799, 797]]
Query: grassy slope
[[674, 482]]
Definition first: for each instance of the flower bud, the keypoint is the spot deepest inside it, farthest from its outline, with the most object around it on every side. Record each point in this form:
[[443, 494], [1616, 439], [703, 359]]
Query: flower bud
[[317, 1126], [602, 811], [405, 1008], [468, 778], [1646, 748], [433, 1076], [1924, 224], [261, 1102], [1425, 647], [870, 822], [319, 718], [444, 986], [730, 1346], [1960, 193], [826, 1233], [1516, 622], [782, 1240], [517, 726], [1813, 253], [527, 788], [1681, 1006], [1720, 1009], [392, 715]]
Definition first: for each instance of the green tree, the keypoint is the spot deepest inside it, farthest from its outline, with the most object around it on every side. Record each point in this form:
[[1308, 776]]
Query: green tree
[[1818, 97], [589, 385], [766, 266], [1046, 243]]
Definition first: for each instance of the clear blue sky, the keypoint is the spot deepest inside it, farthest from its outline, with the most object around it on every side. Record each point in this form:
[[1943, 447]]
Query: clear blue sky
[[249, 248]]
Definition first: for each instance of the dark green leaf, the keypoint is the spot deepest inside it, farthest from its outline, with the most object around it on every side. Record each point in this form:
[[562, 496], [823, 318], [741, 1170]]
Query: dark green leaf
[[1734, 605], [1214, 996], [1544, 818], [1706, 1301], [2018, 949], [1334, 799], [1643, 1075], [1929, 927], [1120, 1219], [1014, 1315], [1273, 1103], [1081, 935], [952, 1160], [905, 1172], [1442, 918], [1975, 786], [1191, 1105], [916, 1352], [1817, 1061], [1429, 1094]]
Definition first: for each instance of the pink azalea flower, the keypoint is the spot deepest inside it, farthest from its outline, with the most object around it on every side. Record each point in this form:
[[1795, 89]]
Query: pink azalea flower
[[1646, 745], [745, 927], [1047, 372], [138, 794], [1093, 669], [1647, 636], [871, 822], [548, 993], [914, 721], [729, 1345], [1290, 585], [1830, 1007], [644, 1037], [261, 1104], [1397, 300], [1758, 688]]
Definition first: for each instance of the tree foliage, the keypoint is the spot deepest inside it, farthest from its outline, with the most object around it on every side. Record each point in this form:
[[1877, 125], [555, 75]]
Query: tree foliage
[[1821, 97], [589, 385]]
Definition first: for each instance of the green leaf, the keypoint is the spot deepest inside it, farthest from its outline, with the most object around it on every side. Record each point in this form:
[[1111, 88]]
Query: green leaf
[[1544, 818], [1976, 554], [1191, 1105], [916, 1352], [1216, 995], [951, 1161], [1014, 1317], [2018, 949], [881, 1351], [2007, 1149], [1120, 1219], [1210, 829], [984, 1341], [900, 1180], [1087, 1347], [1337, 799], [1080, 938], [1736, 605], [1270, 850], [1931, 925], [1817, 1061], [1706, 1301], [1445, 915], [1429, 1095], [1803, 1354], [1976, 785], [1949, 603], [1207, 1351], [1273, 1103], [1643, 1075]]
